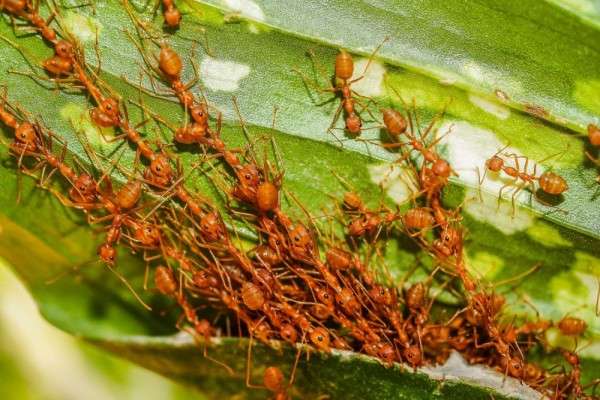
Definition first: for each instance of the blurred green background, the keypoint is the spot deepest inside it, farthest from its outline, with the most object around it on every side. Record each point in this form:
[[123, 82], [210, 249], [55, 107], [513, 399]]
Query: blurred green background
[[38, 361]]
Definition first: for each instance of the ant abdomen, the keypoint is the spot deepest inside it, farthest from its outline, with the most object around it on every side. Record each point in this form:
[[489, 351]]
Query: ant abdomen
[[344, 65], [552, 183]]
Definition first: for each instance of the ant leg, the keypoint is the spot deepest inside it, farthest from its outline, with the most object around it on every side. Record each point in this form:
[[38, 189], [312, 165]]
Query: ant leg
[[128, 286], [336, 117], [500, 193], [221, 363], [296, 360], [311, 83], [371, 57], [249, 365], [514, 198]]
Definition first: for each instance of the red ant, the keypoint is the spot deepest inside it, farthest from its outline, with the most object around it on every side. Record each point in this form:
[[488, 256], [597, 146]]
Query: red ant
[[572, 326], [169, 66], [166, 284], [594, 138], [549, 182], [569, 385], [272, 377], [171, 14], [23, 9], [344, 70]]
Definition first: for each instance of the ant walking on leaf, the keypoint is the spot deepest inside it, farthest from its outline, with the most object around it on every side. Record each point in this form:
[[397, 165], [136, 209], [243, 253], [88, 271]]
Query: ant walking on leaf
[[342, 87], [522, 176]]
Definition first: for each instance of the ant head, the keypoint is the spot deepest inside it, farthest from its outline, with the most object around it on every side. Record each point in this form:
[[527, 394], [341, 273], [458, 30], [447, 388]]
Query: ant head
[[324, 295], [441, 168], [110, 106], [451, 237], [413, 355], [495, 164], [348, 301], [199, 113], [63, 49], [107, 253], [148, 235], [594, 134], [357, 227], [300, 236], [249, 175], [210, 227], [160, 166], [25, 133], [172, 17], [320, 338], [515, 366], [201, 279], [387, 353], [381, 295], [85, 184]]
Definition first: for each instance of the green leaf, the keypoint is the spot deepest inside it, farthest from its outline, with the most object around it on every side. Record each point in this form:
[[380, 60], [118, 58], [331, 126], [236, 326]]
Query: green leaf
[[490, 65]]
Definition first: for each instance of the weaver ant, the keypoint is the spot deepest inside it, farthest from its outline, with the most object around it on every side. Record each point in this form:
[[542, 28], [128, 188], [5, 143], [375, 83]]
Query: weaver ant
[[171, 14], [167, 284], [273, 378], [24, 9], [344, 70], [549, 182]]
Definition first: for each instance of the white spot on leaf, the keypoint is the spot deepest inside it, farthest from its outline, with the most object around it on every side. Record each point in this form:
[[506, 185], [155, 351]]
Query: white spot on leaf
[[371, 85], [246, 8], [468, 147], [490, 77], [490, 107], [80, 119], [222, 74], [84, 28], [499, 215], [396, 180]]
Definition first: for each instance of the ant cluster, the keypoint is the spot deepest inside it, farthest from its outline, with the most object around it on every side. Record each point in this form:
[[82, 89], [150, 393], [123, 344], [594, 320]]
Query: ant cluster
[[295, 285]]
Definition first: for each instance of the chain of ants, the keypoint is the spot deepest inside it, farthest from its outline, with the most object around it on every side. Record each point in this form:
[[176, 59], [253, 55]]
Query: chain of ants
[[283, 289]]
